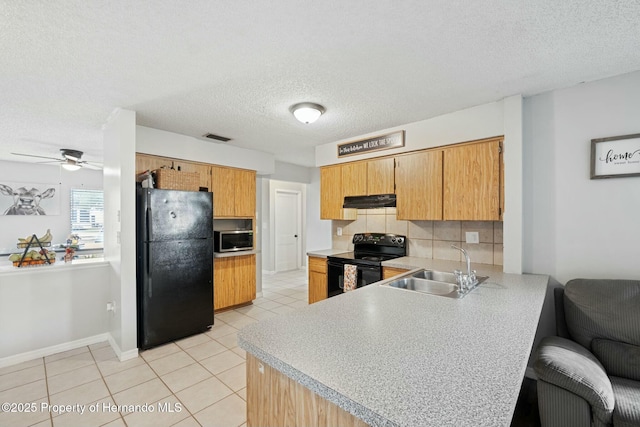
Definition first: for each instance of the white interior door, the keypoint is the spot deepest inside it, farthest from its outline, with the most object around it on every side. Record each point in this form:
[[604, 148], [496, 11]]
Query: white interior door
[[287, 230]]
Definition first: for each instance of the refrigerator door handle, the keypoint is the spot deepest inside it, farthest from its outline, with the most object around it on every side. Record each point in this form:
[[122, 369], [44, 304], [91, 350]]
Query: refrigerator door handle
[[149, 225], [150, 281]]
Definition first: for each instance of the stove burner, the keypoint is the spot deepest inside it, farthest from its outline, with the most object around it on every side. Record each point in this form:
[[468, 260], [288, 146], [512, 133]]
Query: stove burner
[[371, 258]]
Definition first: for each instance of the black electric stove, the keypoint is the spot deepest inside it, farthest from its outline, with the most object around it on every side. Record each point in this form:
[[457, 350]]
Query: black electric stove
[[369, 251]]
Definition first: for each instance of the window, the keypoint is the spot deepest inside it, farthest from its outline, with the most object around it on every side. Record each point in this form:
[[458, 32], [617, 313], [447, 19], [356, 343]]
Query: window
[[87, 216]]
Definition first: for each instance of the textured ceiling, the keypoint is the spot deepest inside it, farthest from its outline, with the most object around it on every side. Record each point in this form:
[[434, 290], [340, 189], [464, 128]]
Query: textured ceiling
[[233, 68]]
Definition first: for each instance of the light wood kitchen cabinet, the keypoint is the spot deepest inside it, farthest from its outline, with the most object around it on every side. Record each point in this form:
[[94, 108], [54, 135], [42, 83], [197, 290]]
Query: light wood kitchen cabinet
[[146, 162], [234, 281], [472, 181], [367, 178], [354, 179], [418, 178], [245, 188], [380, 176], [317, 279], [273, 399], [332, 194], [234, 192], [389, 272]]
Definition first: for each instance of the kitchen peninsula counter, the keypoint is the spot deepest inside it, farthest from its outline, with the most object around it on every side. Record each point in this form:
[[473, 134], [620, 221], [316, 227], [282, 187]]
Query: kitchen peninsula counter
[[394, 357]]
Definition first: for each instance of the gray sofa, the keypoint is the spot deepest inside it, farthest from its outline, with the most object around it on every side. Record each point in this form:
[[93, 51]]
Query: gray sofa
[[589, 375]]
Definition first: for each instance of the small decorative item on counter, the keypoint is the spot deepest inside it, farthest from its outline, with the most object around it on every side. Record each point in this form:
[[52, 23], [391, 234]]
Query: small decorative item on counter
[[73, 241], [69, 254]]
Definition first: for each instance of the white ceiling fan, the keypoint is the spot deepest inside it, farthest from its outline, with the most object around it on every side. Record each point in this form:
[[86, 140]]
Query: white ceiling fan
[[71, 160]]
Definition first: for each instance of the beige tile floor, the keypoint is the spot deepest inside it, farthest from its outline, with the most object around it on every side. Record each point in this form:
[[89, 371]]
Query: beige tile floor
[[196, 381]]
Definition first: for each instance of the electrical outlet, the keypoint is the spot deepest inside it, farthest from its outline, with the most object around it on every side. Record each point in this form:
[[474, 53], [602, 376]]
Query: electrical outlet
[[339, 231], [472, 237]]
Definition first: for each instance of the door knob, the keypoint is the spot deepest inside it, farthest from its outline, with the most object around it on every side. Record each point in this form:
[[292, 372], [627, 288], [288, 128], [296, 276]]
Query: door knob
[[295, 235]]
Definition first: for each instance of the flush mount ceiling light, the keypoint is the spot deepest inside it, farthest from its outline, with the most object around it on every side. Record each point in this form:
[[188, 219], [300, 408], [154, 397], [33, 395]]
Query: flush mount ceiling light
[[307, 112]]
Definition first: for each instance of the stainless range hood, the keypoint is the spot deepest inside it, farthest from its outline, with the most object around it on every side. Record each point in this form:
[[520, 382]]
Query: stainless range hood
[[370, 202]]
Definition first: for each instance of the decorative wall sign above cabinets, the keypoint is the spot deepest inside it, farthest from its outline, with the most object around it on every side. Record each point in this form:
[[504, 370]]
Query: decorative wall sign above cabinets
[[615, 157], [382, 142]]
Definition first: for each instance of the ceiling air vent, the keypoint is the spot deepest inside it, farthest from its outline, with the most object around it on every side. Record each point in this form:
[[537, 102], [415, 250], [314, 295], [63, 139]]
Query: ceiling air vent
[[216, 137]]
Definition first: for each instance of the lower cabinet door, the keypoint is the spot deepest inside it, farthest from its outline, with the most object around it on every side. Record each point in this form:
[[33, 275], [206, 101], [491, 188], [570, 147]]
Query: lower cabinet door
[[317, 286], [234, 281], [245, 279], [222, 283]]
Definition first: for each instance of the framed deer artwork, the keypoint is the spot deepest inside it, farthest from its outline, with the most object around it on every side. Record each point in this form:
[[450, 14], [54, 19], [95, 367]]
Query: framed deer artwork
[[22, 198]]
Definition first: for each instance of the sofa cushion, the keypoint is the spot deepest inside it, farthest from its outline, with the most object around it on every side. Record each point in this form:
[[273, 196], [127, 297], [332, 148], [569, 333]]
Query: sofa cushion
[[619, 359], [627, 410], [603, 309]]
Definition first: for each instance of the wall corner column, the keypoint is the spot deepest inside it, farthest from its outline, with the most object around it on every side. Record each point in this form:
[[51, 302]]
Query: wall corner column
[[119, 137], [513, 178]]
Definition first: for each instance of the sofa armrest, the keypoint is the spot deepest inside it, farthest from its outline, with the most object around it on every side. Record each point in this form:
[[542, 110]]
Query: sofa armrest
[[568, 365]]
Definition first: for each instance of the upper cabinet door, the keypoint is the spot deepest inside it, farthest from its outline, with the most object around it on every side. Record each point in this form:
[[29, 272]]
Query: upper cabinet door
[[472, 182], [354, 179], [380, 176], [419, 185], [234, 192], [245, 189], [331, 198], [223, 188]]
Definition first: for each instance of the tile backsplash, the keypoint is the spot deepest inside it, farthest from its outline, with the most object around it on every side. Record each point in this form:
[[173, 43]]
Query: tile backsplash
[[427, 239]]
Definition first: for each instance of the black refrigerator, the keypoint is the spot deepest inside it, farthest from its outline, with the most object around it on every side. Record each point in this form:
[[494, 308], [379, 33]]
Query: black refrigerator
[[174, 264]]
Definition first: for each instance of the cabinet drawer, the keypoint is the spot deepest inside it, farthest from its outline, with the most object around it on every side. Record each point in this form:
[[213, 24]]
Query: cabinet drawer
[[318, 264]]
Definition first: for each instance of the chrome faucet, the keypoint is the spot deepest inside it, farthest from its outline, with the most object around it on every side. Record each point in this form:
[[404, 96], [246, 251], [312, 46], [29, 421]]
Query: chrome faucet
[[468, 281]]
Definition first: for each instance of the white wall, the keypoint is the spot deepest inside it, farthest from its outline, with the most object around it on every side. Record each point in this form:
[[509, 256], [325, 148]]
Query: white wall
[[289, 172], [14, 226], [45, 310], [120, 228], [479, 122], [169, 144], [575, 226]]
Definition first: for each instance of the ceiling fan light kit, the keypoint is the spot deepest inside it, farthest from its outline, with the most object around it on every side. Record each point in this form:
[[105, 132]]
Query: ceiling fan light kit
[[307, 112], [71, 165]]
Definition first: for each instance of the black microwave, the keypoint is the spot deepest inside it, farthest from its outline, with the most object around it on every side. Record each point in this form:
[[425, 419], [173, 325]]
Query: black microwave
[[229, 241]]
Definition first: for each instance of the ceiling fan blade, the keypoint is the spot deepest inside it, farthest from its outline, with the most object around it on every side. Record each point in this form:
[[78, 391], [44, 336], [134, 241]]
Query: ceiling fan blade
[[70, 157], [41, 157], [90, 166]]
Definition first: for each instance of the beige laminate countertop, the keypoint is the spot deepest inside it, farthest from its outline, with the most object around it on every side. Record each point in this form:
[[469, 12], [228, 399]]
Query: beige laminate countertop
[[326, 252]]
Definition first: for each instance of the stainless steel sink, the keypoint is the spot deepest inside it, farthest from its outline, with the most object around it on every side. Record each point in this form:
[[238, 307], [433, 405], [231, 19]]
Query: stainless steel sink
[[432, 282], [438, 276], [442, 276], [425, 286]]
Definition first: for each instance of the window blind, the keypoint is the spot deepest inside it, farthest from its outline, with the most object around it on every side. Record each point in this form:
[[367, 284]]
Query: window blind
[[87, 215]]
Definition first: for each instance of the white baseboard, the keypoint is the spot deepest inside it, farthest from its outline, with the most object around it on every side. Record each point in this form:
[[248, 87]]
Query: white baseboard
[[122, 355], [530, 373], [47, 351], [268, 272]]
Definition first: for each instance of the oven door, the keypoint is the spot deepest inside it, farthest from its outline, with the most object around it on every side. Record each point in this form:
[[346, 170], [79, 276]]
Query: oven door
[[335, 276]]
